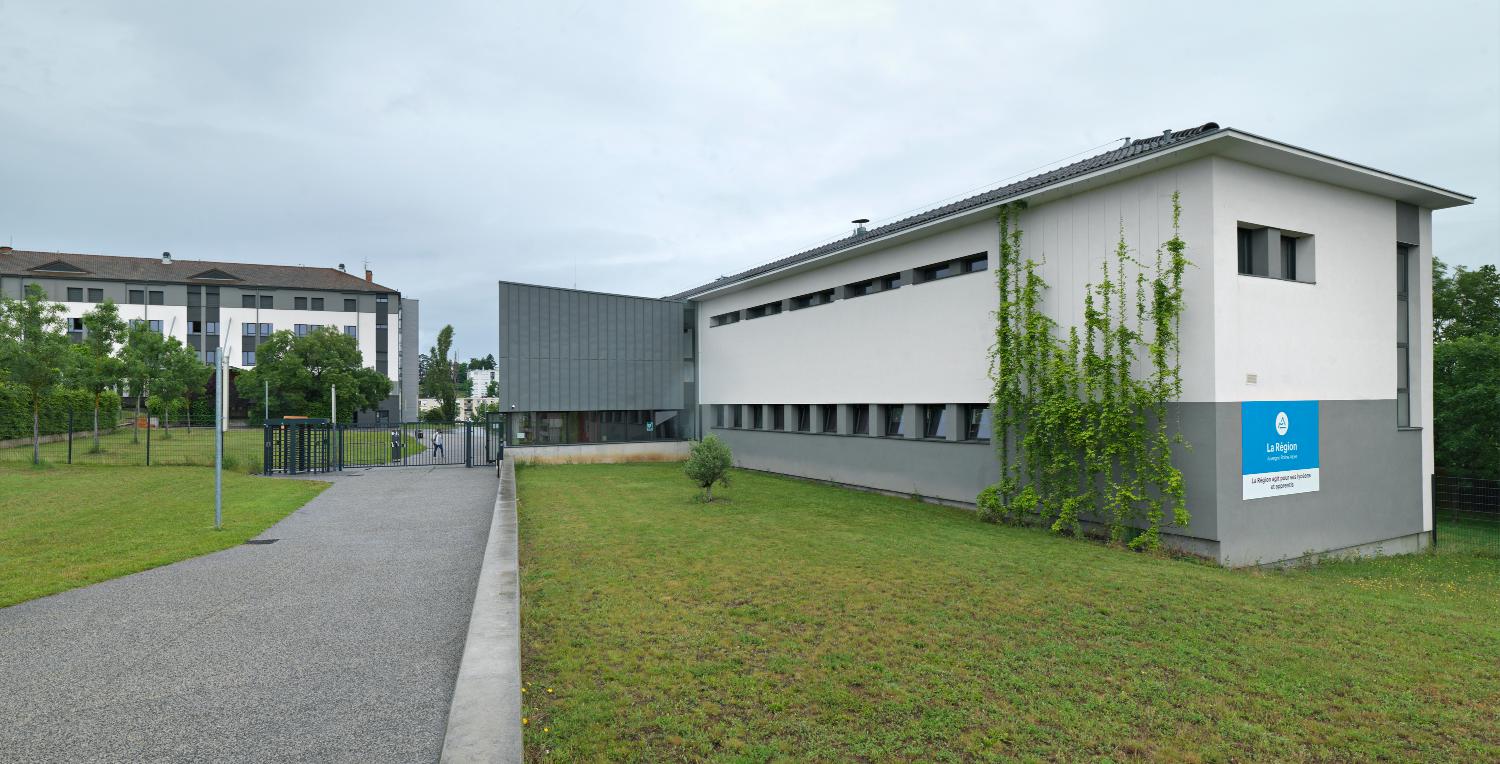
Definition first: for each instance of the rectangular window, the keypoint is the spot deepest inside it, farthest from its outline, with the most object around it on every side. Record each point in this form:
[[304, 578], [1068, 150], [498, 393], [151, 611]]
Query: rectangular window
[[156, 297], [155, 325], [211, 356], [75, 294], [830, 419], [248, 357], [932, 420], [936, 272], [195, 297], [247, 301], [317, 303], [804, 418], [1289, 258], [860, 288], [96, 295], [265, 330], [1403, 336], [250, 330], [352, 331], [1246, 242], [975, 263], [812, 299], [757, 417], [894, 427], [211, 327], [299, 303], [893, 281], [724, 318], [267, 301], [778, 417], [195, 327], [739, 415], [761, 311], [137, 297], [349, 305], [860, 414], [299, 329], [213, 297], [977, 421], [75, 326]]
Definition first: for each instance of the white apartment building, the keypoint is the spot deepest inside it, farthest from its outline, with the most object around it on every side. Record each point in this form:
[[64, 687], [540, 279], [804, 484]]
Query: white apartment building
[[216, 307]]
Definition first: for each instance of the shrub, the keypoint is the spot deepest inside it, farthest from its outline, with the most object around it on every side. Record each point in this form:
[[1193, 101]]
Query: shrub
[[15, 412], [989, 504], [708, 463]]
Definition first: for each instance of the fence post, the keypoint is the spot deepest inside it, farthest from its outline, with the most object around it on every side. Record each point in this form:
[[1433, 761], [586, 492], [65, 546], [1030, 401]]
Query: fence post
[[1432, 492], [148, 437], [70, 436], [468, 444]]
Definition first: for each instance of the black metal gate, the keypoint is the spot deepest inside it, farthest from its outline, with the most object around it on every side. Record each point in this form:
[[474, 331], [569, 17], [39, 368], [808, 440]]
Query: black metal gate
[[294, 446], [415, 444], [305, 445]]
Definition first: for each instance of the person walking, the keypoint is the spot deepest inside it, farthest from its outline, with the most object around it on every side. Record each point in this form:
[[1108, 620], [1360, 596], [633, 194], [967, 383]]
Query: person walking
[[395, 446], [437, 444]]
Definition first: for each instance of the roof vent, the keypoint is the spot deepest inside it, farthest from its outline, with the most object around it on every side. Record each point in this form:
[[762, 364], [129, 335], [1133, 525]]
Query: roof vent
[[1166, 133], [166, 258], [859, 226], [341, 268]]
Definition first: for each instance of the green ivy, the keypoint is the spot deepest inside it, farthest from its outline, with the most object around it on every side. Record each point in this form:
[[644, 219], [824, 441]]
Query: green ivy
[[1079, 433]]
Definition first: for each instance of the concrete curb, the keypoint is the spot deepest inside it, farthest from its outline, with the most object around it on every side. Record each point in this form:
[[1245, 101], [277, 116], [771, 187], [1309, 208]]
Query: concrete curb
[[484, 721]]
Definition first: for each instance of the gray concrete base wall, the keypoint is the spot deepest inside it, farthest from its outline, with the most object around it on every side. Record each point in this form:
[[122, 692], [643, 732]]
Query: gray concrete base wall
[[1371, 481], [601, 453]]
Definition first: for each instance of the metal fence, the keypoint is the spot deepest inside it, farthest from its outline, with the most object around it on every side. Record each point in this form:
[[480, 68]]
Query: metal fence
[[1466, 514], [260, 448]]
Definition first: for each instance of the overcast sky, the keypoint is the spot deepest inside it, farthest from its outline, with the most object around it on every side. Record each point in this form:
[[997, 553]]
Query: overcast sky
[[649, 147]]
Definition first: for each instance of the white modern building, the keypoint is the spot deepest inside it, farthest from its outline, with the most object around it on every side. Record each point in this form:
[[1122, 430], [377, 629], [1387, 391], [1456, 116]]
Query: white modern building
[[216, 307], [1306, 343], [480, 381]]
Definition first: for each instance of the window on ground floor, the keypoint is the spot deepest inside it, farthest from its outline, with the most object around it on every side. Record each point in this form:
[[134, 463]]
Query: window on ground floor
[[932, 420], [859, 414], [830, 418], [977, 421], [894, 423], [757, 417]]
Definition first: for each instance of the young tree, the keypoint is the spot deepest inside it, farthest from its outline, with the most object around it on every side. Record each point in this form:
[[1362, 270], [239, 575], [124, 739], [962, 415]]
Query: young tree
[[303, 370], [181, 375], [708, 463], [99, 367], [144, 355], [441, 373], [33, 351]]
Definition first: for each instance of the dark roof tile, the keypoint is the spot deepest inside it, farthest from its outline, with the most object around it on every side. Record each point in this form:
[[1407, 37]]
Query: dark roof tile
[[153, 270]]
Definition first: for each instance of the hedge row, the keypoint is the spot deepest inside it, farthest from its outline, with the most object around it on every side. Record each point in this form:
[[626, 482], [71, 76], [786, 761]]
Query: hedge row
[[15, 411]]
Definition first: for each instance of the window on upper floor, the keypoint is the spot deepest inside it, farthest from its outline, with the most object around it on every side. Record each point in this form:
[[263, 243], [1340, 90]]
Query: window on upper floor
[[155, 325], [299, 329], [1403, 335], [317, 303], [352, 331], [137, 297], [248, 357], [1274, 253], [267, 301], [211, 327], [156, 297], [96, 295], [974, 263], [75, 294], [299, 303], [761, 311], [889, 282], [724, 318], [860, 288], [265, 330], [195, 327], [812, 299], [350, 306], [247, 301]]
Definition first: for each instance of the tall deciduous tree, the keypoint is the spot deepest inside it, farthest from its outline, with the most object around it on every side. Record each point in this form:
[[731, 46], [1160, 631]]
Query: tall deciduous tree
[[1465, 303], [144, 354], [33, 351], [440, 371], [182, 375], [302, 371], [1466, 369], [99, 366]]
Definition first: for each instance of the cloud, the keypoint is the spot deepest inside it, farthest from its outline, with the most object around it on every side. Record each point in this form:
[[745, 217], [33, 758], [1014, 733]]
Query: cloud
[[645, 148]]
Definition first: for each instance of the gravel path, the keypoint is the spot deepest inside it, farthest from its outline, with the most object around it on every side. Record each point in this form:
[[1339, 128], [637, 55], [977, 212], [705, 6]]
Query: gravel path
[[339, 642]]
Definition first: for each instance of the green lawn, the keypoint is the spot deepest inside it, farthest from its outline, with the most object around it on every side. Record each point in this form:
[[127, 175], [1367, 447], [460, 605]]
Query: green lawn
[[800, 622], [244, 449], [64, 527]]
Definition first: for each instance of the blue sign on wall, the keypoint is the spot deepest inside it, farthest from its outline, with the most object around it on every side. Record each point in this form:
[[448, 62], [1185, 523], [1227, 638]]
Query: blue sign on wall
[[1278, 447]]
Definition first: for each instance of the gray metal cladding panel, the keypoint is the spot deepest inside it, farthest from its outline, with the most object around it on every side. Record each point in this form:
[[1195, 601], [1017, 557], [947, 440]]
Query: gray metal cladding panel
[[567, 350]]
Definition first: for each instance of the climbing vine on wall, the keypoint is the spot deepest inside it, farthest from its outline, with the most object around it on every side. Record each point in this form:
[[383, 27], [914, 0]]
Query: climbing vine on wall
[[1081, 424]]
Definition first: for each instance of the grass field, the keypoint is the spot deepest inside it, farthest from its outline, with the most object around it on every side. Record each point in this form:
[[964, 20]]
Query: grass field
[[800, 622], [244, 449], [65, 527]]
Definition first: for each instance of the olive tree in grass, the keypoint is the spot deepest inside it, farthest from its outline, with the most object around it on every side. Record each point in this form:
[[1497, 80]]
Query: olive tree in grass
[[708, 463]]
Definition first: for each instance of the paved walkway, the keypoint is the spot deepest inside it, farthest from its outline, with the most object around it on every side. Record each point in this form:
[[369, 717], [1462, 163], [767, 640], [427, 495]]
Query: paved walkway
[[339, 642]]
